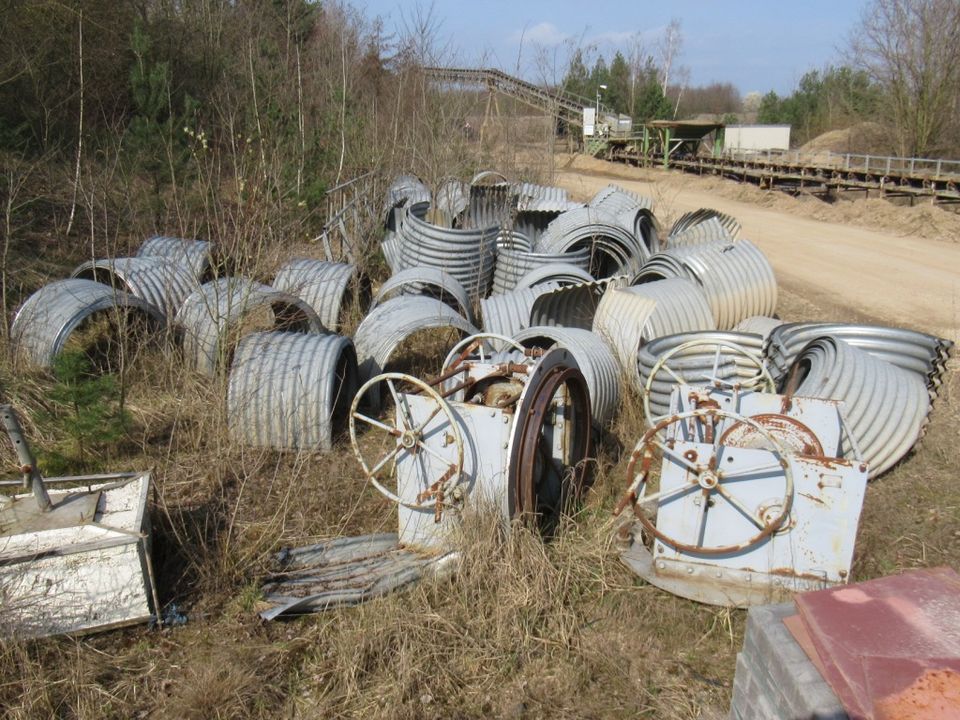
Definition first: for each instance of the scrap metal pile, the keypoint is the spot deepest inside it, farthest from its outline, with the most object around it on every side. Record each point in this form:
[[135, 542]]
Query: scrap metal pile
[[749, 481]]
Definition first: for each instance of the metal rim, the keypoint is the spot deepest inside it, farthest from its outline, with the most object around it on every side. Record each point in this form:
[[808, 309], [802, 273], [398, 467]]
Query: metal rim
[[709, 478], [764, 379], [408, 439]]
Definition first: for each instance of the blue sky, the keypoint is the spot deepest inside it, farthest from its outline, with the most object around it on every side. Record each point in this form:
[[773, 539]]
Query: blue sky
[[755, 45]]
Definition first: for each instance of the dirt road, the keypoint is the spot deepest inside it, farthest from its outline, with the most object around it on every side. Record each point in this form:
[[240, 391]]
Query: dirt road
[[902, 280]]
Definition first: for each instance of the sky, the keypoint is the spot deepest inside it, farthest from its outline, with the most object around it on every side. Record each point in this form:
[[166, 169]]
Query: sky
[[758, 45]]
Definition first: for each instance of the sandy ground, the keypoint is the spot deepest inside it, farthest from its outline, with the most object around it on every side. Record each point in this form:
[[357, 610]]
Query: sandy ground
[[886, 277]]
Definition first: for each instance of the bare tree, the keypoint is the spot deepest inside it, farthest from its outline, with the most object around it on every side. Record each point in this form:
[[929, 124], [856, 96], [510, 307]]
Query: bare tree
[[669, 48], [912, 49]]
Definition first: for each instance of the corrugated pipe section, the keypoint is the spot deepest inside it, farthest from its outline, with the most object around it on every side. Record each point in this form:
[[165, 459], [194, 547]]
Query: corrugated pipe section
[[885, 407], [613, 249], [192, 254], [490, 205], [389, 324], [758, 324], [509, 313], [210, 313], [560, 273], [631, 316], [163, 283], [542, 198], [615, 199], [321, 285], [291, 390], [736, 277], [429, 282], [633, 212], [451, 199], [695, 365], [572, 305], [705, 215], [45, 321], [468, 255], [599, 367], [922, 354], [405, 192], [512, 265], [513, 240]]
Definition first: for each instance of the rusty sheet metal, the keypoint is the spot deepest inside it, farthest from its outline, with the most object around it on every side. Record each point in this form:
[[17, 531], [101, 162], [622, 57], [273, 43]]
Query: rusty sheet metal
[[344, 571], [193, 254], [45, 321], [291, 390], [885, 407], [210, 313], [508, 313], [389, 324], [736, 277], [163, 283], [597, 363], [322, 285], [917, 352], [513, 265], [427, 281]]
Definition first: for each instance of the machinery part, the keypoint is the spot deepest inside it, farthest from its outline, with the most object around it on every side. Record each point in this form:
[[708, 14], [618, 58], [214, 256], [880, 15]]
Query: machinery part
[[46, 320], [708, 477], [594, 358], [695, 350], [462, 351], [291, 390], [211, 312], [162, 282], [552, 419], [28, 464], [408, 438], [323, 286], [427, 281], [192, 254]]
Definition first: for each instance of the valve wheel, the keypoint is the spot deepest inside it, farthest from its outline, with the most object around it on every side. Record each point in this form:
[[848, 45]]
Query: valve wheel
[[468, 345], [706, 477], [763, 380], [408, 437]]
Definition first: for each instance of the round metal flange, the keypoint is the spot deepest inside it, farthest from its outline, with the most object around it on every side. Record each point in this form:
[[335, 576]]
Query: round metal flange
[[407, 437], [706, 477]]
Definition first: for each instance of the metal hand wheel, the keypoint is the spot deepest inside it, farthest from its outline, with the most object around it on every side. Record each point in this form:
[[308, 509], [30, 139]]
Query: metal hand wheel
[[706, 477], [407, 437], [463, 349], [763, 379]]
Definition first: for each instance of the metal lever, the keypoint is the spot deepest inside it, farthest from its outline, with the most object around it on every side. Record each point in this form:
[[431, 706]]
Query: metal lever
[[28, 465]]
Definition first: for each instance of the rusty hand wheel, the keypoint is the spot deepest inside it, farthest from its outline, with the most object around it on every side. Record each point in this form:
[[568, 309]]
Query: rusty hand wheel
[[705, 477], [763, 379], [477, 343], [406, 436]]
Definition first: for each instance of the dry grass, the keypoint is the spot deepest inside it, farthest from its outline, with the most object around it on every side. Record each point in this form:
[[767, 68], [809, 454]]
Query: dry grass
[[522, 629]]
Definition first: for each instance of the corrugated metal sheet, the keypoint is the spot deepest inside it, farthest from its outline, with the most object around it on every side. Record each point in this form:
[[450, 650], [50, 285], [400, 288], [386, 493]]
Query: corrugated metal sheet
[[572, 305], [706, 215], [161, 282], [885, 406], [451, 199], [44, 322], [321, 285], [405, 191], [630, 316], [508, 313], [192, 254], [599, 367], [211, 312], [291, 390], [512, 265], [561, 273], [736, 277], [615, 200], [430, 282], [389, 324], [696, 365], [513, 240], [613, 249], [759, 324]]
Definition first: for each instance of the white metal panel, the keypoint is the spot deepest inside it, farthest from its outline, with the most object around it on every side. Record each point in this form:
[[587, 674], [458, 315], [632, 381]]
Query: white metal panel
[[756, 137]]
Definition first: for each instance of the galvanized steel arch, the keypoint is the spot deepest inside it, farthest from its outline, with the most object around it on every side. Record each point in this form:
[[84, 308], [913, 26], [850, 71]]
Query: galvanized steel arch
[[599, 366], [613, 249], [162, 282], [193, 254], [885, 407], [389, 324], [572, 305], [509, 313], [513, 265], [291, 390], [758, 324], [45, 321], [210, 312], [560, 273], [427, 281], [320, 284]]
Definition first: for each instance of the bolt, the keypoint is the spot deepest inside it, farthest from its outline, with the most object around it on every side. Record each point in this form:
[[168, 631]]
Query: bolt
[[661, 565], [506, 420], [506, 445], [689, 571]]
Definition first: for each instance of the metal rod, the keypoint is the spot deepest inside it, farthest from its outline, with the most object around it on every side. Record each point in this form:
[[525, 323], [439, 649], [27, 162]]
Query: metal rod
[[28, 463]]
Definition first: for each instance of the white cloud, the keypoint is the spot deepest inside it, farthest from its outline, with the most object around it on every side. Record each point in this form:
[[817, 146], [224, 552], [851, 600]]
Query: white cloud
[[545, 34]]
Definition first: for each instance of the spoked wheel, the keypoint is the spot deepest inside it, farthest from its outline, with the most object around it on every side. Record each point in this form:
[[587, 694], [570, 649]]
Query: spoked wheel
[[479, 343], [762, 381], [706, 476], [401, 436], [549, 459]]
